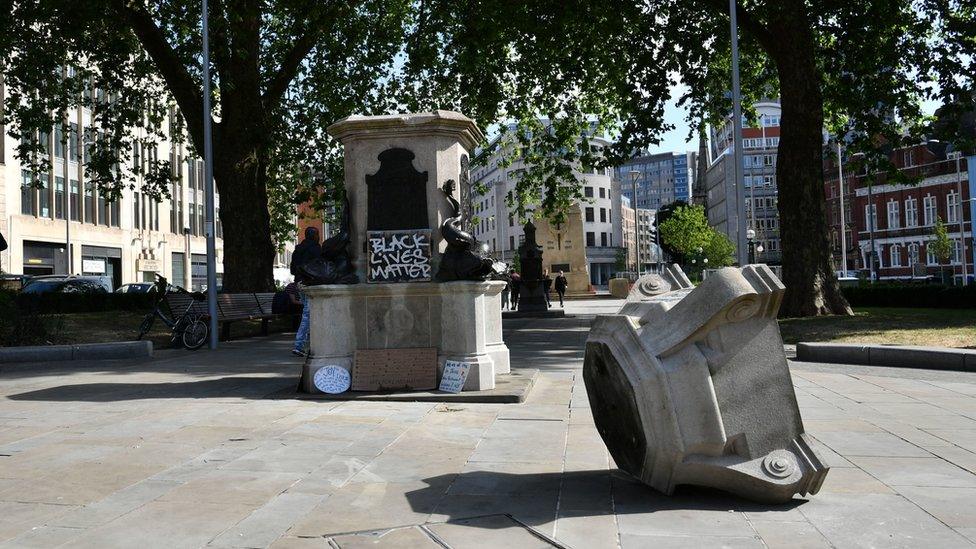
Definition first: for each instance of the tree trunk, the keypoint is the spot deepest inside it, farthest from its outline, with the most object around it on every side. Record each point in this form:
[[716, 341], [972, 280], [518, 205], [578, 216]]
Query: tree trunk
[[808, 272], [248, 249]]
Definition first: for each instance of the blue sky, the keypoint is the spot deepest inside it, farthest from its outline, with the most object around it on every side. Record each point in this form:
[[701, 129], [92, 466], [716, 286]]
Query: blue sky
[[677, 139]]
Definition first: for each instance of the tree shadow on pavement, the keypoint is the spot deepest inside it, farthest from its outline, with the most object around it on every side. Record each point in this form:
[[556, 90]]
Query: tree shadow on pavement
[[225, 387]]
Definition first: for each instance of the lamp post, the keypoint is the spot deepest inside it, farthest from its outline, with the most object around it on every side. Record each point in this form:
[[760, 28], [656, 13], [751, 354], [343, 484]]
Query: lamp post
[[750, 236], [957, 155], [209, 184], [634, 177], [843, 215], [740, 194]]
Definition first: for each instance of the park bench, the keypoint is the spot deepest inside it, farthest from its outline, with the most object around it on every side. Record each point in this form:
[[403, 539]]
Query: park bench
[[230, 308]]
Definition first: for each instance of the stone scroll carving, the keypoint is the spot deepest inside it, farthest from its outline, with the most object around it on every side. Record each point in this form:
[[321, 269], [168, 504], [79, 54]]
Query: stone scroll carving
[[691, 386]]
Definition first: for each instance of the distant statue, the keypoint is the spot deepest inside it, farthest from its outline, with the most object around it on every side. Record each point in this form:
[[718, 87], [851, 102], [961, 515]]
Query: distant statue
[[334, 265], [532, 296], [463, 258]]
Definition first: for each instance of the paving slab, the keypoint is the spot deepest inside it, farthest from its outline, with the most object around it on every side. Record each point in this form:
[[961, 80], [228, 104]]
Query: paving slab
[[196, 449]]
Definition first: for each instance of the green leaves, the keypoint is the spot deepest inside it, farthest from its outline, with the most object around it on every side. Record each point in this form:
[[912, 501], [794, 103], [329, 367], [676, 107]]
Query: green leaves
[[686, 232]]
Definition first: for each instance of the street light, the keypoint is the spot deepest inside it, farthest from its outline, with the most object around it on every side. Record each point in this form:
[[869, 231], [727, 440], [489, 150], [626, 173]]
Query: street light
[[737, 172], [751, 237], [209, 184], [957, 155], [635, 175]]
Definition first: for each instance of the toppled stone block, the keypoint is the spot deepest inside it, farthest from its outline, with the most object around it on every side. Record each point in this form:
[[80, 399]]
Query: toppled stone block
[[691, 386]]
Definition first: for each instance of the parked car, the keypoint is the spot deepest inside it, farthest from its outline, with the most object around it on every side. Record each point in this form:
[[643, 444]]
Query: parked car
[[136, 288], [143, 288], [67, 284]]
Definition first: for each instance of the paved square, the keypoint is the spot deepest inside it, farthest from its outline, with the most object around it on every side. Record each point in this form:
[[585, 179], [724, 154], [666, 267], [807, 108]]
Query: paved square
[[187, 450]]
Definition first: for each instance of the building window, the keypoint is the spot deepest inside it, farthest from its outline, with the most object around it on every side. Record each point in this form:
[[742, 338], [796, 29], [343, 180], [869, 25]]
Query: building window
[[929, 209], [930, 257], [603, 192], [511, 220], [589, 215], [909, 158], [956, 252], [911, 212], [912, 254], [511, 243], [603, 215], [44, 196], [89, 202], [894, 217], [603, 239], [590, 238], [588, 192], [871, 216], [73, 142], [75, 203], [952, 208], [895, 255], [58, 197]]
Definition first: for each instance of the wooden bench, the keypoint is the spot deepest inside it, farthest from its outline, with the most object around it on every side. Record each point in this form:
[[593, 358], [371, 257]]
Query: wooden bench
[[230, 308]]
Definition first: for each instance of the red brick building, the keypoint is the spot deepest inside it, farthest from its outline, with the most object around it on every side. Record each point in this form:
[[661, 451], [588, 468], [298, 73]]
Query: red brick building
[[897, 220]]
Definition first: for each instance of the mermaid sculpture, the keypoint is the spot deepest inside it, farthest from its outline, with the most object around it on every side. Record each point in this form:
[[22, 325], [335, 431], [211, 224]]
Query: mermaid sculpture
[[334, 266], [462, 260]]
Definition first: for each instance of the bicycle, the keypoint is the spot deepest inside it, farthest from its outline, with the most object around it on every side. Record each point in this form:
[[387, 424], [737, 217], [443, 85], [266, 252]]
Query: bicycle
[[190, 328]]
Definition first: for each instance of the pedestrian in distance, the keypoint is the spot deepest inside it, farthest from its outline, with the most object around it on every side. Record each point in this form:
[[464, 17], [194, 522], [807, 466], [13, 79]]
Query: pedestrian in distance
[[308, 250], [547, 287], [508, 287], [516, 282], [561, 285]]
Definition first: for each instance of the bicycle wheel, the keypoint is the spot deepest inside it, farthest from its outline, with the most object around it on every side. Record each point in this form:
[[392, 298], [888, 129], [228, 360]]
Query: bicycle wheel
[[195, 334], [147, 324]]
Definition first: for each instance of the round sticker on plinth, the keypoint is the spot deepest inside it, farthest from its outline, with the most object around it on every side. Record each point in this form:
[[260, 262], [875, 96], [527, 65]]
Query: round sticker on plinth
[[332, 379]]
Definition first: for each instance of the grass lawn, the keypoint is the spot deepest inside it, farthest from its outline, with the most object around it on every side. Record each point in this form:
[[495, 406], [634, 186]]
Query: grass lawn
[[931, 327], [124, 326]]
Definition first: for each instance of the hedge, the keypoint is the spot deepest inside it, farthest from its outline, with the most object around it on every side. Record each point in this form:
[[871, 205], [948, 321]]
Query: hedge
[[56, 303], [933, 296]]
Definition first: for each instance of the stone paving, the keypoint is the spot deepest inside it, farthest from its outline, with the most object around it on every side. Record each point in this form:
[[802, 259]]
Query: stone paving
[[185, 450]]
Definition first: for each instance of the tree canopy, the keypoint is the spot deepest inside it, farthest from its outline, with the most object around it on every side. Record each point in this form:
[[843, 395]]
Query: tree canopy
[[283, 70]]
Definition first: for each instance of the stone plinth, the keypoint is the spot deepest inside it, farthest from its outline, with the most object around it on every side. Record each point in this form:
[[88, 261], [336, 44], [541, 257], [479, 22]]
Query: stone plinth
[[565, 246], [461, 319], [439, 142], [691, 386]]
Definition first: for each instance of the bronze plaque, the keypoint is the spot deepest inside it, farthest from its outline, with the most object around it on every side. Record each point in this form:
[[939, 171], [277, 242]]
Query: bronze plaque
[[397, 194], [395, 369]]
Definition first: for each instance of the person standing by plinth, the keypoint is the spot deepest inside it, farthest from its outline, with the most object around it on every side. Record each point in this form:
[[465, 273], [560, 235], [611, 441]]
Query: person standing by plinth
[[547, 287], [516, 283], [308, 250], [561, 285]]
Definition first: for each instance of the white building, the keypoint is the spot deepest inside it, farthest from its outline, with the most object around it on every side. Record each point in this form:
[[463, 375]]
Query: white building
[[67, 227], [759, 156], [498, 227]]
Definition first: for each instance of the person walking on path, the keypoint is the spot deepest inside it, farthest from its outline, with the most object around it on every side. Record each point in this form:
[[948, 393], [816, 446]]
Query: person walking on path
[[308, 250], [516, 284], [508, 286], [561, 285]]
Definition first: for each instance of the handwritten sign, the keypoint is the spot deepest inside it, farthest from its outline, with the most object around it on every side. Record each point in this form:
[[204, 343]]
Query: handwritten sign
[[454, 376], [395, 369], [398, 256], [331, 379]]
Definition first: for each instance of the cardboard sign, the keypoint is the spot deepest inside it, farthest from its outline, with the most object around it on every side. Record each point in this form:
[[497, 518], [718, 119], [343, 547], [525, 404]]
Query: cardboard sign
[[398, 256], [331, 379], [395, 369], [454, 376]]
